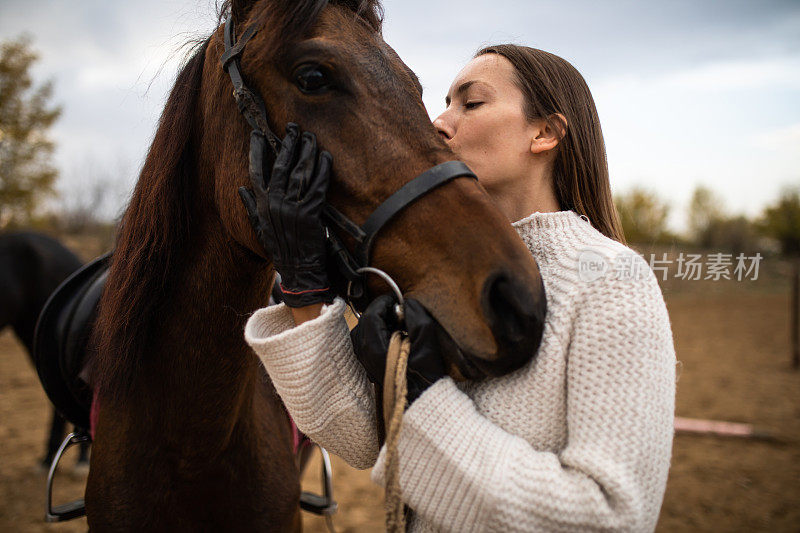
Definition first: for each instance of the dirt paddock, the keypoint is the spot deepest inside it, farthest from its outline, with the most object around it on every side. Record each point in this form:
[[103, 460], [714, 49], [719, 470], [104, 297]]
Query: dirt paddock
[[733, 344]]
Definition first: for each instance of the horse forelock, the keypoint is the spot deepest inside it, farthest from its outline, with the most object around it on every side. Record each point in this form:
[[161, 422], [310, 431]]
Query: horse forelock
[[289, 20]]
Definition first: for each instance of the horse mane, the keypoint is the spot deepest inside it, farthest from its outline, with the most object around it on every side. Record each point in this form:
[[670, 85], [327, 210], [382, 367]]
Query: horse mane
[[154, 229]]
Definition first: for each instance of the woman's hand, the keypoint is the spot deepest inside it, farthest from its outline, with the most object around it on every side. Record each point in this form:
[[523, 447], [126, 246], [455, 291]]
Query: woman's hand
[[371, 342], [285, 210]]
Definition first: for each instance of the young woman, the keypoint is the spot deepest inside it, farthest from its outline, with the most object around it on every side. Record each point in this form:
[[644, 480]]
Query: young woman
[[579, 438]]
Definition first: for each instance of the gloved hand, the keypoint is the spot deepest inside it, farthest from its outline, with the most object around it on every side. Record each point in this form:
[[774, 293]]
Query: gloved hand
[[285, 210], [371, 341]]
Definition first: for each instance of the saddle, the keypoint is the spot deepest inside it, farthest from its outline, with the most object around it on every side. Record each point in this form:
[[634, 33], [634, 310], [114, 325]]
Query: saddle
[[61, 340]]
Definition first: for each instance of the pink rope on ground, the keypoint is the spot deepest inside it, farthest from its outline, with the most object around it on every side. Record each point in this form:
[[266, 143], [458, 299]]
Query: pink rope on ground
[[716, 427]]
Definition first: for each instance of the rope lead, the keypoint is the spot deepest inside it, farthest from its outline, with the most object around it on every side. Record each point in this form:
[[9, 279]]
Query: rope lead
[[394, 405]]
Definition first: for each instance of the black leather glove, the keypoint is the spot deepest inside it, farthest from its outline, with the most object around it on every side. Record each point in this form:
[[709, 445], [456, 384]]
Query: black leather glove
[[285, 210], [371, 342]]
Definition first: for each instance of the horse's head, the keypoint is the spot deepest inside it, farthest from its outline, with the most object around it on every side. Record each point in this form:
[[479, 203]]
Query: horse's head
[[325, 66]]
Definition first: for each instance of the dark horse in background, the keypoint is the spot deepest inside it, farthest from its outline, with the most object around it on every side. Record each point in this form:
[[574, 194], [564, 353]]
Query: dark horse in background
[[32, 266], [190, 433]]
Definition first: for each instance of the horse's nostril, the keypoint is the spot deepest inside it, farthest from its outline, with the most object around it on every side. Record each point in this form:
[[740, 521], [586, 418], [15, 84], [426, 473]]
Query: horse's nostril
[[515, 313], [504, 306]]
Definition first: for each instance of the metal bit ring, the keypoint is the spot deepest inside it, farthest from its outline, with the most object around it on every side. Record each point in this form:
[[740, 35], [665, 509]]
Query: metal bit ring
[[398, 308]]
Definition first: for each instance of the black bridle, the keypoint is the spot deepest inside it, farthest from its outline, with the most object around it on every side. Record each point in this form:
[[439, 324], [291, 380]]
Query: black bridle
[[251, 105]]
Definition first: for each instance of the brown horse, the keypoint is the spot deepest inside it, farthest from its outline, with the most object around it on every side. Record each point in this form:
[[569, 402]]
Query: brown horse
[[190, 433]]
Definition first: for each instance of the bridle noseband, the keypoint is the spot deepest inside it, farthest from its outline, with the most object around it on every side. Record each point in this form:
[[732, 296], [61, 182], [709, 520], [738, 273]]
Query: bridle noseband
[[351, 265]]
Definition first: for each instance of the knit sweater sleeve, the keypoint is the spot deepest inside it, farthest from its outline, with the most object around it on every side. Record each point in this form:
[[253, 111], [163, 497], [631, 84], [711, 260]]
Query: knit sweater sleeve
[[461, 472], [320, 381]]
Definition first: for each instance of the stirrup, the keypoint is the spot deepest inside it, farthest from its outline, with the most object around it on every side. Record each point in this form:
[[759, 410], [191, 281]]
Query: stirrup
[[314, 503], [67, 511]]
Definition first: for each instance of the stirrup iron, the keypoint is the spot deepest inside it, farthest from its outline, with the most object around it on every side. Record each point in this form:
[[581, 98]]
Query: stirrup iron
[[67, 511], [314, 503]]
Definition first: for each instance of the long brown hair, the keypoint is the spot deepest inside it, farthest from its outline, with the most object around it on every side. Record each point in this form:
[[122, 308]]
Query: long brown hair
[[580, 173], [148, 248]]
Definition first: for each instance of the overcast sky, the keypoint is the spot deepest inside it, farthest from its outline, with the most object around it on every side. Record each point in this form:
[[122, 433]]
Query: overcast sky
[[689, 92]]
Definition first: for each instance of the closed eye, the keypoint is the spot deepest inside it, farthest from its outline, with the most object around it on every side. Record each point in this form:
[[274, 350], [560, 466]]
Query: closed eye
[[472, 105]]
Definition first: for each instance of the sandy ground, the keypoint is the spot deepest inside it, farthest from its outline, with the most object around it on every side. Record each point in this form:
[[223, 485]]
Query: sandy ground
[[734, 351], [23, 421]]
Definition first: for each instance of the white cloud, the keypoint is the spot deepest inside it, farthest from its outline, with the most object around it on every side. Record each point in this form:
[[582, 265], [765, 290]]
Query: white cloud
[[781, 139], [769, 73]]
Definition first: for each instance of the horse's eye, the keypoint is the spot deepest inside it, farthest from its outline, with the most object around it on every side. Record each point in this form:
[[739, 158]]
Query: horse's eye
[[311, 78]]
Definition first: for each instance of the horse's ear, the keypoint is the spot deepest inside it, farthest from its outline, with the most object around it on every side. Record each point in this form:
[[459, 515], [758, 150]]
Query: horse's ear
[[240, 9]]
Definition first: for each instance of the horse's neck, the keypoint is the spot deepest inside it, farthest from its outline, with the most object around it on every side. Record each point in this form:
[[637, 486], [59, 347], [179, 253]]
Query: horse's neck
[[203, 366]]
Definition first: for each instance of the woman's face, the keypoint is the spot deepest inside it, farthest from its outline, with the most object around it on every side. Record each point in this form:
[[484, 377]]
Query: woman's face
[[485, 124]]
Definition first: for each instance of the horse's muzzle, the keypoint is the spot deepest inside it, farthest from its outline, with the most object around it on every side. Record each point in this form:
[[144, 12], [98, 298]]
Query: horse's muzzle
[[515, 313]]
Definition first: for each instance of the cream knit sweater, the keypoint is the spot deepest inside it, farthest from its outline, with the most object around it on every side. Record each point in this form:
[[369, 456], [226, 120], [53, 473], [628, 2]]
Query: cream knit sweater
[[578, 439]]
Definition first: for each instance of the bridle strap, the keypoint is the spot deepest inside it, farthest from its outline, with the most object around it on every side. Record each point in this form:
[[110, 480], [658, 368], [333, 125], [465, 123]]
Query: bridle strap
[[232, 51], [364, 236], [408, 193], [343, 223], [251, 105]]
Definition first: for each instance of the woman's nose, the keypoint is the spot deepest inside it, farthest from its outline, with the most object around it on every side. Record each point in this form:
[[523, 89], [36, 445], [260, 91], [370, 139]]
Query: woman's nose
[[444, 127]]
